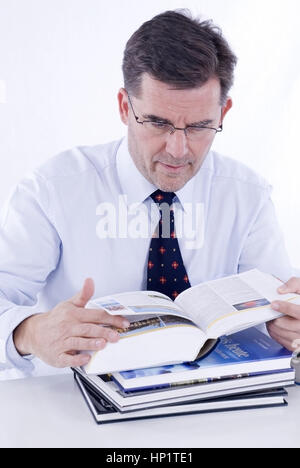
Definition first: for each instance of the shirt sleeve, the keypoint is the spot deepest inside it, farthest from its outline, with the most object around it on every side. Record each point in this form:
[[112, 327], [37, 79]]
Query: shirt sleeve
[[264, 247], [29, 252]]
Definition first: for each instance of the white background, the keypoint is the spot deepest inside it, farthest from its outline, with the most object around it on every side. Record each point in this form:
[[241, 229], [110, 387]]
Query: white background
[[60, 71]]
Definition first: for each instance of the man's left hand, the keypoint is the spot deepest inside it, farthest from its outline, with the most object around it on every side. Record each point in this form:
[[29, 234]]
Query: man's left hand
[[286, 330]]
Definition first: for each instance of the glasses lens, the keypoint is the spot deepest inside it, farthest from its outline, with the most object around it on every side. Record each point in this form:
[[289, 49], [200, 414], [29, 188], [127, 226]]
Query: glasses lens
[[158, 128], [197, 133], [192, 133]]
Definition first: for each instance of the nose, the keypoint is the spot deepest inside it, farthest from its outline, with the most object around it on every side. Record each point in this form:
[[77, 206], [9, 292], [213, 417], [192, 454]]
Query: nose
[[177, 144]]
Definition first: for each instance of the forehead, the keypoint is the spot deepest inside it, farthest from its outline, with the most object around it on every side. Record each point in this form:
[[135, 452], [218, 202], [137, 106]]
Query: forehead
[[158, 97]]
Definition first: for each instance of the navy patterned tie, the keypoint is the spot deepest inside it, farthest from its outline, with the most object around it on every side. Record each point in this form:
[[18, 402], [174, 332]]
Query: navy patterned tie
[[166, 271]]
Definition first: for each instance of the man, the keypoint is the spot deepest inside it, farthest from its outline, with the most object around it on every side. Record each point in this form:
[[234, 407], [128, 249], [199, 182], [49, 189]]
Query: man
[[177, 73]]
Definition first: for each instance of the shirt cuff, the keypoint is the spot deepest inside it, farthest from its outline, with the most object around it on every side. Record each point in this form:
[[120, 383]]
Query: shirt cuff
[[22, 363], [13, 357]]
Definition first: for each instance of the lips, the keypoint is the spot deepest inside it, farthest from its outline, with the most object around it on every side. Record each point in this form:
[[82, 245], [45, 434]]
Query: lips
[[172, 168]]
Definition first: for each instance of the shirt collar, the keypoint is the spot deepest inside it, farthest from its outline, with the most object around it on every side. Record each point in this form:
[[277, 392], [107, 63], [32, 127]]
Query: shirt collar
[[137, 188], [133, 183], [191, 192]]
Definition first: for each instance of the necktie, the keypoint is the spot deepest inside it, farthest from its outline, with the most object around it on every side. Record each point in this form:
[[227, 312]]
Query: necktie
[[166, 271]]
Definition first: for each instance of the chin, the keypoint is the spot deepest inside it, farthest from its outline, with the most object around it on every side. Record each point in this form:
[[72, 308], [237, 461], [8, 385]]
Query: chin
[[168, 182], [170, 186]]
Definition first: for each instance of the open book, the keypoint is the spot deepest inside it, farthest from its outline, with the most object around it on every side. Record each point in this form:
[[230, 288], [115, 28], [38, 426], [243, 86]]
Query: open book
[[164, 332]]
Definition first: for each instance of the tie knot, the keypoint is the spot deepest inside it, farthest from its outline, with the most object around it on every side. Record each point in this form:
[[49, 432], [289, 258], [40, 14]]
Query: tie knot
[[163, 197]]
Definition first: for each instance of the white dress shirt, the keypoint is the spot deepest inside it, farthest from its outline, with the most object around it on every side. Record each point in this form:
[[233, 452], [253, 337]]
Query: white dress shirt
[[50, 234]]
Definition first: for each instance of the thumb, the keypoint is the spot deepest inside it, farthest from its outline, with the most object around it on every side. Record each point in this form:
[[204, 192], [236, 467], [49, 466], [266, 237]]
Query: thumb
[[292, 286], [81, 299]]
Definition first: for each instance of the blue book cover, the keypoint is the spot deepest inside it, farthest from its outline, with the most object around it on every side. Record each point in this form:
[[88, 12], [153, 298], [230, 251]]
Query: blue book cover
[[248, 351]]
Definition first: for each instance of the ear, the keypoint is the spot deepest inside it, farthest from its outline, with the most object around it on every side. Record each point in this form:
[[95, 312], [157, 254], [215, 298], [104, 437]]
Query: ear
[[226, 108], [123, 105]]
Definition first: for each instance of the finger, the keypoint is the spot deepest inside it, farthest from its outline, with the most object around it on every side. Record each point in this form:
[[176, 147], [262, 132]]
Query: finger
[[287, 323], [82, 297], [83, 344], [290, 334], [77, 360], [292, 286], [296, 344], [284, 341], [102, 317], [89, 330], [287, 308]]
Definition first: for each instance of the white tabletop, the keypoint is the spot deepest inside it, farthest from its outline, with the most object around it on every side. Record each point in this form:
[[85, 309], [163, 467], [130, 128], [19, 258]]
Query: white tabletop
[[51, 412]]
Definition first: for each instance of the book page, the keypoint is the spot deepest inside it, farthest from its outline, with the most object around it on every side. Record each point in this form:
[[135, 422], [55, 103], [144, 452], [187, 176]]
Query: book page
[[204, 305], [267, 286], [148, 324], [240, 301], [150, 303]]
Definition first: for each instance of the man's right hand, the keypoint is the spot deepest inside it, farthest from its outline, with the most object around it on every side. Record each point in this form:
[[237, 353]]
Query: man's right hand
[[56, 337]]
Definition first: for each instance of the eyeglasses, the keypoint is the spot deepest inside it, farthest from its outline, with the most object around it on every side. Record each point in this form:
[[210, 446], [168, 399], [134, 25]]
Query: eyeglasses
[[160, 128]]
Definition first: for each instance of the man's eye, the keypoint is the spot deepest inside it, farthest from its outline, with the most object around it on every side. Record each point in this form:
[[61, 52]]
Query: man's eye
[[160, 125], [196, 129]]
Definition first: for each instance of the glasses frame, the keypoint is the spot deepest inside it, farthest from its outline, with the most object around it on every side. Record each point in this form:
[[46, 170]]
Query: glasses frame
[[173, 128]]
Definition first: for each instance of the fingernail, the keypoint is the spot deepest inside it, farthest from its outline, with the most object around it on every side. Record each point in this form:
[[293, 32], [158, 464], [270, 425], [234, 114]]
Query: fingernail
[[275, 306], [126, 324], [282, 289], [86, 360], [100, 343], [113, 336]]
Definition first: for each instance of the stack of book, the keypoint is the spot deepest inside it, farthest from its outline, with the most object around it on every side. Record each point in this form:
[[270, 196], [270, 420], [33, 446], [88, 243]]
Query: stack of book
[[202, 352], [245, 370]]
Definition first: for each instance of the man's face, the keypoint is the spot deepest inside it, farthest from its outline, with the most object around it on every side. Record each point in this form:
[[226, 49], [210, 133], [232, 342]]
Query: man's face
[[169, 161]]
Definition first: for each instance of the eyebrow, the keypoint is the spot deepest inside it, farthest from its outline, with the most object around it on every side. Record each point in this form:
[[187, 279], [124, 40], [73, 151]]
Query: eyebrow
[[155, 118]]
